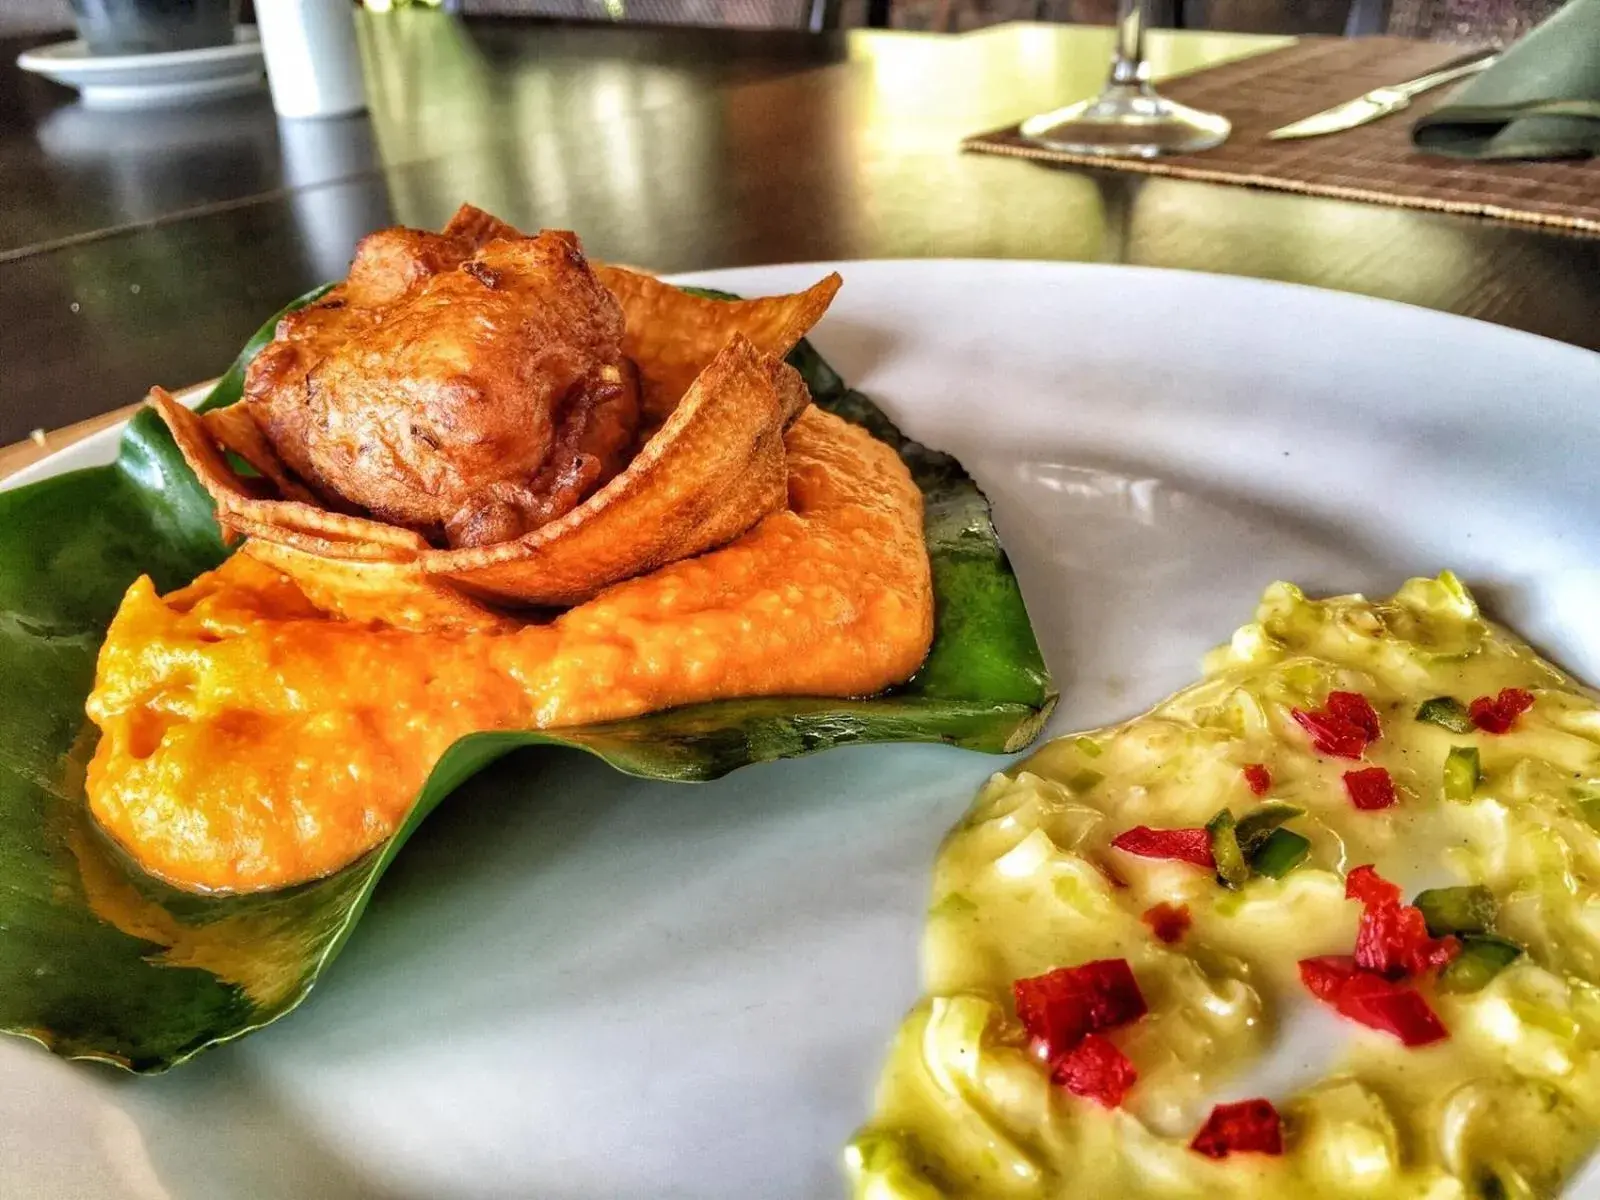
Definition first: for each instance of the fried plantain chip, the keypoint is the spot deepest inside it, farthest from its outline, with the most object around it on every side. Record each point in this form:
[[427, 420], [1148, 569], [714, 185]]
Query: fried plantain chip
[[714, 469], [718, 398], [241, 507], [399, 594], [478, 228], [672, 336], [234, 428]]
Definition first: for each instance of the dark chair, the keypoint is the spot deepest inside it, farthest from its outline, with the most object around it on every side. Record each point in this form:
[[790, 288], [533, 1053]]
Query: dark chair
[[815, 15]]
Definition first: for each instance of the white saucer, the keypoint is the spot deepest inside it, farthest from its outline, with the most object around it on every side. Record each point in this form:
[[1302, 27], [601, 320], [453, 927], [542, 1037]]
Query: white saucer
[[151, 80]]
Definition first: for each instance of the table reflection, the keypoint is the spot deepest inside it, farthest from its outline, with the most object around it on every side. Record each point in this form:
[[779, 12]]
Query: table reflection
[[140, 165], [331, 220]]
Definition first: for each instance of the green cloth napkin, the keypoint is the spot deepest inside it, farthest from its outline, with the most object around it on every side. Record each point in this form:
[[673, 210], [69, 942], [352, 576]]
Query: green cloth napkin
[[1541, 100]]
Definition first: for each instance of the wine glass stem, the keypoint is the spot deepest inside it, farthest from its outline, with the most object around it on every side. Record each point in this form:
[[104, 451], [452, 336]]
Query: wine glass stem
[[1128, 68]]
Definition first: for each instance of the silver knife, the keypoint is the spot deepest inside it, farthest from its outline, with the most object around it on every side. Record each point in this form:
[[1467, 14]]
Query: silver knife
[[1380, 102]]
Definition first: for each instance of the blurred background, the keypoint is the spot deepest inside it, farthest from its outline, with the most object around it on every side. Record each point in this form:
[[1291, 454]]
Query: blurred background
[[136, 241], [1441, 20]]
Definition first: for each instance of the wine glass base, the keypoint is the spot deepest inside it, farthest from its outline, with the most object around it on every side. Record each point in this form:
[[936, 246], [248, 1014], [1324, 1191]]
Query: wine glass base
[[1127, 121]]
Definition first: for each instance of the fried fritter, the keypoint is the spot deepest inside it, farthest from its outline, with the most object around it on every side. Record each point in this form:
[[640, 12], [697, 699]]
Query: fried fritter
[[469, 385], [460, 426]]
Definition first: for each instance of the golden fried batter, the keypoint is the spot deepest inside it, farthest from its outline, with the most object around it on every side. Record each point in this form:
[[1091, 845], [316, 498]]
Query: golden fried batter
[[469, 389], [469, 385]]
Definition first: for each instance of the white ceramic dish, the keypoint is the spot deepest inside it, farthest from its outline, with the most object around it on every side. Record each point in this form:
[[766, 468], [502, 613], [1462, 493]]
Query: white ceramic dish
[[575, 984], [151, 80]]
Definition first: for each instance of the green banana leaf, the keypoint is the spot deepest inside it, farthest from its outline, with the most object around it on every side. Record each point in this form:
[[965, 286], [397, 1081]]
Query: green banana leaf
[[100, 961]]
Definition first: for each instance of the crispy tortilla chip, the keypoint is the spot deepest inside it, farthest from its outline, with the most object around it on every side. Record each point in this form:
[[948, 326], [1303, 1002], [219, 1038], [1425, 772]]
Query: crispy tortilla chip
[[399, 594], [234, 428], [201, 449], [330, 539], [720, 397], [473, 225], [672, 336], [715, 468], [239, 500]]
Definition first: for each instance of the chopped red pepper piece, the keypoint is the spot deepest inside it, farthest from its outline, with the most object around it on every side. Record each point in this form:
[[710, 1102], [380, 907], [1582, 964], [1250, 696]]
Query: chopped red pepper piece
[[1343, 727], [1115, 998], [1371, 1000], [1258, 777], [1370, 788], [1060, 1007], [1356, 709], [1394, 941], [1366, 885], [1095, 1069], [1168, 921], [1382, 939], [1332, 735], [1486, 715], [1515, 701], [1185, 845], [1250, 1126], [1053, 1009], [1377, 1003], [1497, 714], [1325, 976]]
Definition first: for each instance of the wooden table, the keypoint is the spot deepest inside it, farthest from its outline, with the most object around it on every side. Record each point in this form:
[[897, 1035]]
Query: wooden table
[[144, 249]]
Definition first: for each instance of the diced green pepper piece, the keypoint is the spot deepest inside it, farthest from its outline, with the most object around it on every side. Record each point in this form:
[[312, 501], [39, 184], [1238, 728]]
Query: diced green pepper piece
[[1257, 826], [1462, 774], [1482, 957], [1232, 869], [1088, 747], [1457, 909], [1084, 781], [1282, 852], [1446, 712]]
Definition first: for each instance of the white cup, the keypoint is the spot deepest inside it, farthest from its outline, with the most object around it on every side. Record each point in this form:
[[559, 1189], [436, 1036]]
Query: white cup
[[313, 58]]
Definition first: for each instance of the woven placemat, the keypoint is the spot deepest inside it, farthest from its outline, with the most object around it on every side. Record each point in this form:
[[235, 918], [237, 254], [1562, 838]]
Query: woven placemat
[[1375, 162]]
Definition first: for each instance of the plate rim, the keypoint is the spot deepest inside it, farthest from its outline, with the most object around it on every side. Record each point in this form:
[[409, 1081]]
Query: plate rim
[[72, 55], [113, 97]]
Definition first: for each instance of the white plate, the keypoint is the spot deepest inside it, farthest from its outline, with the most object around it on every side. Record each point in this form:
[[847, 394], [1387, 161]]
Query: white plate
[[575, 984], [151, 80]]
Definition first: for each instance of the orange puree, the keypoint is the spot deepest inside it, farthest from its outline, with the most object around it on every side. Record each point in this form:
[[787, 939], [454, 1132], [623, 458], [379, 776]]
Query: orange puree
[[249, 741]]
